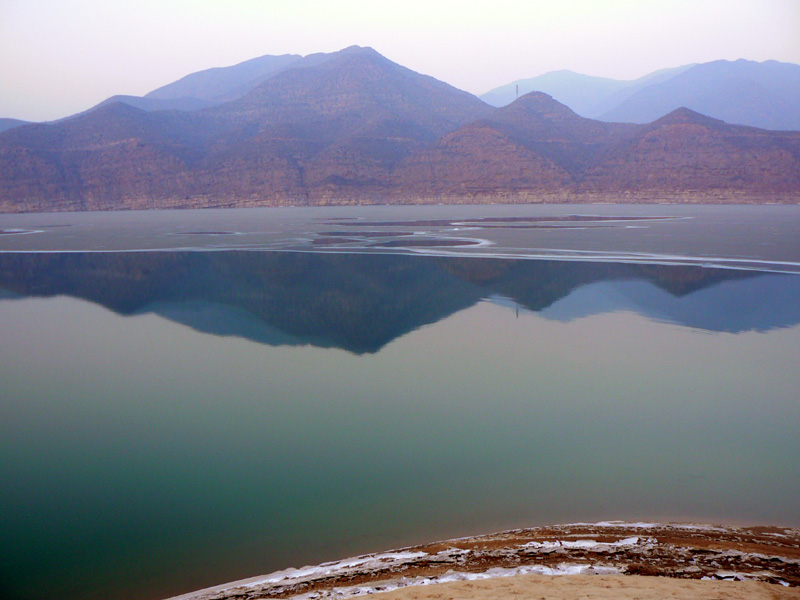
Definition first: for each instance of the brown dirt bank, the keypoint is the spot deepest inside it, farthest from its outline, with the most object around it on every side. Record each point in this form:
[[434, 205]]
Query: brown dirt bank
[[590, 561]]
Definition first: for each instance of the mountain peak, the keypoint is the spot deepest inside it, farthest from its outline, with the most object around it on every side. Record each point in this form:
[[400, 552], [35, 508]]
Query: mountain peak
[[543, 105], [686, 115], [355, 49], [111, 108], [349, 53], [532, 99]]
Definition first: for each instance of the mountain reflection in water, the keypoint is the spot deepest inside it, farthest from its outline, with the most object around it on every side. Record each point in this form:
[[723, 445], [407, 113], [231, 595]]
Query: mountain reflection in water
[[362, 302], [141, 458]]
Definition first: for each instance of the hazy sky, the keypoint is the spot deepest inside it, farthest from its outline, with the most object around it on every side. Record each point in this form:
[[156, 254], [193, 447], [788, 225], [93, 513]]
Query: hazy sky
[[58, 57]]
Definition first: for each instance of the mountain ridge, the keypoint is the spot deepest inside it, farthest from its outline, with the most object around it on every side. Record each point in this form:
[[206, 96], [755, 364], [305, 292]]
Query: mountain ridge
[[354, 127], [585, 94], [760, 94], [220, 84]]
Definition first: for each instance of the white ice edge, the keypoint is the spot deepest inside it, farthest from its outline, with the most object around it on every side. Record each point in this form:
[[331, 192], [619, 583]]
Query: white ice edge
[[736, 576], [750, 264], [741, 264], [560, 219], [400, 557], [585, 544], [642, 525], [386, 559], [453, 576], [389, 559], [16, 231], [210, 233]]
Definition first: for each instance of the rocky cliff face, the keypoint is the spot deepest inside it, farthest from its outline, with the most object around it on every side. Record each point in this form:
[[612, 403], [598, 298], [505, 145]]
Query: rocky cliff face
[[353, 127]]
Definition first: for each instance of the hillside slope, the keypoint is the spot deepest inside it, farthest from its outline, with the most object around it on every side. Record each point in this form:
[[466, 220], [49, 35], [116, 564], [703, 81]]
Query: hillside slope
[[354, 127]]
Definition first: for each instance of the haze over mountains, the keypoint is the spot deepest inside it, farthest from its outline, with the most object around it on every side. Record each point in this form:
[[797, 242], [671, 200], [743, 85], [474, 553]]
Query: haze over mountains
[[6, 124], [741, 92], [354, 127], [211, 86]]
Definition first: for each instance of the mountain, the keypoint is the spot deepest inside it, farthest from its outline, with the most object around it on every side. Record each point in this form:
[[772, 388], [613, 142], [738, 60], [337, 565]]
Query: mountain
[[536, 148], [765, 95], [6, 124], [338, 126], [534, 145], [587, 95], [221, 84], [95, 160], [695, 153], [337, 122], [209, 87], [354, 127], [152, 104], [742, 92]]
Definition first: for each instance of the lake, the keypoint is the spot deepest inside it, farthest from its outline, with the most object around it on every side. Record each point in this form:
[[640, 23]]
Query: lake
[[194, 397]]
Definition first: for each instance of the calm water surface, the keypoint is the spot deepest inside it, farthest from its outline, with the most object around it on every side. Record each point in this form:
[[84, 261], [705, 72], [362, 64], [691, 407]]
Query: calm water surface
[[181, 418]]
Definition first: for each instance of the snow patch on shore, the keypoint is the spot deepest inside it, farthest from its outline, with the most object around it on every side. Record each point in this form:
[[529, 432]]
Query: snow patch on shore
[[626, 525], [585, 544], [556, 554], [360, 563], [341, 593]]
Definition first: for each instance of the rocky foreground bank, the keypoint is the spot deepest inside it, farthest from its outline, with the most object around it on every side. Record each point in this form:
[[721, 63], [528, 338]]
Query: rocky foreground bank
[[608, 550]]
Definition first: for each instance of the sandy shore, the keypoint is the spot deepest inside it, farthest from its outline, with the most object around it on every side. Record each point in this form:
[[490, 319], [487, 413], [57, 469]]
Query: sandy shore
[[603, 587], [599, 560]]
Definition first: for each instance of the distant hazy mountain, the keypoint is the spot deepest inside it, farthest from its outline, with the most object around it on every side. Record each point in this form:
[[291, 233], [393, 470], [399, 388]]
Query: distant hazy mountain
[[209, 87], [587, 95], [6, 124], [354, 127], [765, 95], [225, 83], [151, 104]]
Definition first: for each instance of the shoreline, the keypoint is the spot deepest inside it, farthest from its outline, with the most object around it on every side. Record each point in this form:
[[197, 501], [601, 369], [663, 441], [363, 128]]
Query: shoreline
[[716, 197], [680, 552]]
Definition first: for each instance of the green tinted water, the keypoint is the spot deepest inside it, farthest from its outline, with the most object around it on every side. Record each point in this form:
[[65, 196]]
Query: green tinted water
[[176, 420]]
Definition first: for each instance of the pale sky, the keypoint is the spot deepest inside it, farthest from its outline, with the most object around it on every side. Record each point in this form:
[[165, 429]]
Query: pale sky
[[58, 57]]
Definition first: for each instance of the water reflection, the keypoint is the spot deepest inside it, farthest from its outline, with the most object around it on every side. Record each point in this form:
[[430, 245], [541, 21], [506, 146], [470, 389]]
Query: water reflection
[[141, 458], [362, 302]]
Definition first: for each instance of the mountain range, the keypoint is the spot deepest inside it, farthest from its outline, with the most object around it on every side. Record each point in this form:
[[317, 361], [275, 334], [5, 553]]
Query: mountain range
[[354, 127], [742, 92]]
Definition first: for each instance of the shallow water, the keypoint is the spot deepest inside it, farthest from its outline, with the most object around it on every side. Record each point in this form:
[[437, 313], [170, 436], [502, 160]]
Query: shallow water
[[177, 419]]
